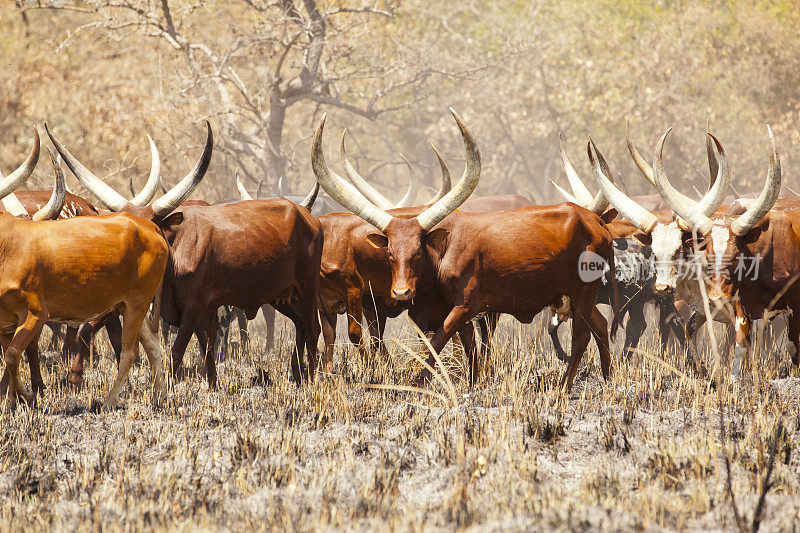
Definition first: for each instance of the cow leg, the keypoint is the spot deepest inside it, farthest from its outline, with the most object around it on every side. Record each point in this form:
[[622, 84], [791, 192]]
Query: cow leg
[[269, 317], [31, 325], [223, 333], [244, 335], [668, 321], [180, 343], [328, 337], [634, 328], [793, 335], [32, 354], [552, 329], [355, 313], [149, 341], [598, 326], [467, 335], [742, 346], [580, 339], [114, 331], [455, 320], [69, 348], [311, 330], [207, 336], [133, 319], [693, 325], [58, 335], [298, 367]]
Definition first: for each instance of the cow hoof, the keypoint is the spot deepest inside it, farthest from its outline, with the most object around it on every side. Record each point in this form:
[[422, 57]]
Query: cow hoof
[[75, 379]]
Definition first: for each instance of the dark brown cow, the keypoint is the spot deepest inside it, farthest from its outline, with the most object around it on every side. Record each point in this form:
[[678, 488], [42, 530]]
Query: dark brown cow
[[244, 254], [516, 262], [356, 276]]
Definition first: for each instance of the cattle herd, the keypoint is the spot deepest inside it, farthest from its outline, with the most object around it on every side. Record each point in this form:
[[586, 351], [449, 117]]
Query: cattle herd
[[134, 265]]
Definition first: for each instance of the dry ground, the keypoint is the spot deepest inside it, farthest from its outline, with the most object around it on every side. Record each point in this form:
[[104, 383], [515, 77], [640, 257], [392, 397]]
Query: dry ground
[[643, 451]]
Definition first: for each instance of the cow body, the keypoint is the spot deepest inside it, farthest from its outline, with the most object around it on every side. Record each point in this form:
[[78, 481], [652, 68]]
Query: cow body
[[244, 254], [74, 205], [517, 262], [114, 263]]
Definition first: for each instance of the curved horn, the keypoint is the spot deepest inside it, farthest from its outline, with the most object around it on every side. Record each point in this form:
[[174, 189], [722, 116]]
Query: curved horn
[[171, 200], [713, 165], [107, 196], [641, 164], [131, 188], [52, 208], [146, 195], [341, 191], [258, 191], [280, 187], [599, 203], [690, 217], [579, 190], [446, 182], [243, 194], [413, 186], [308, 201], [13, 181], [766, 199], [567, 196], [367, 190], [711, 201], [465, 186], [629, 209]]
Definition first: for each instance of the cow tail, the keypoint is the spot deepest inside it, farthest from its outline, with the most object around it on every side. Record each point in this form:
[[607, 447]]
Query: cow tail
[[154, 320], [324, 314]]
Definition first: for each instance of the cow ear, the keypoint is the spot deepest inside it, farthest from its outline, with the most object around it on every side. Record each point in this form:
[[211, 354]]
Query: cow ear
[[609, 215], [644, 238], [377, 240], [175, 219], [436, 238]]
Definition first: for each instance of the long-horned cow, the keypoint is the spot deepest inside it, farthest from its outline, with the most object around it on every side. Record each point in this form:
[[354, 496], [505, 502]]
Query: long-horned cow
[[516, 262], [244, 254], [114, 262], [754, 262]]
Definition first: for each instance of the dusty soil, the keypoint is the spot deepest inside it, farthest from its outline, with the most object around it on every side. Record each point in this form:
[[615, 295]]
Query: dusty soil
[[644, 450]]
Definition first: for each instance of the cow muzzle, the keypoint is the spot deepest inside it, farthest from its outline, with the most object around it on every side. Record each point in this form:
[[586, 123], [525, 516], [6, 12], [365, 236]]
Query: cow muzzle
[[402, 293], [663, 289]]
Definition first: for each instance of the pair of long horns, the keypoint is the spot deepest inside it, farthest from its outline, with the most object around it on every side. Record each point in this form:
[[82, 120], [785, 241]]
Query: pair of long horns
[[581, 194], [307, 203], [371, 194], [116, 202], [351, 198]]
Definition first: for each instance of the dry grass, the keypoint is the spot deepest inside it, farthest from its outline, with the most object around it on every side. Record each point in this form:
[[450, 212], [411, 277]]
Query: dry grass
[[642, 451]]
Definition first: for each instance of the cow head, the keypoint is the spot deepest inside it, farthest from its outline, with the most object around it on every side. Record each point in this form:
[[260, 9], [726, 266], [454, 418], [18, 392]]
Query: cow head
[[672, 238], [140, 205], [404, 239], [730, 237]]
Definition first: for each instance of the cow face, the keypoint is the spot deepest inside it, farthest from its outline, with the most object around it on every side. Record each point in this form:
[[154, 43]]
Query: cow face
[[404, 242], [667, 245], [721, 250]]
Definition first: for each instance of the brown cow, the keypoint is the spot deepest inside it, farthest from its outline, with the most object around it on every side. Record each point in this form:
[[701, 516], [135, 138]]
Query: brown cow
[[516, 262], [755, 263], [244, 254]]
